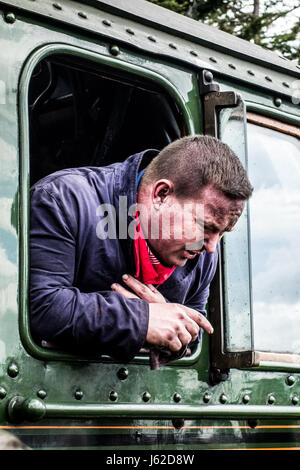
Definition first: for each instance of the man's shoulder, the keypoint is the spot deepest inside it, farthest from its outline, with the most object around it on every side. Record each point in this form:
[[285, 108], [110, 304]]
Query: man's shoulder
[[91, 176], [74, 193], [71, 177], [82, 182]]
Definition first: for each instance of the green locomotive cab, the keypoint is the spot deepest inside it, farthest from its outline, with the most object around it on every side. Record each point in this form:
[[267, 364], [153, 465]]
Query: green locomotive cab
[[88, 83]]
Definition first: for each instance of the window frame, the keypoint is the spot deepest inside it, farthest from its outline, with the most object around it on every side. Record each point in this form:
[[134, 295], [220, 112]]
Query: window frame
[[254, 359], [24, 202]]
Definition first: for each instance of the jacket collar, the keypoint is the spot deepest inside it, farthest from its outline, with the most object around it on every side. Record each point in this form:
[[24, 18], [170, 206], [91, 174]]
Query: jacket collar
[[125, 185], [126, 177]]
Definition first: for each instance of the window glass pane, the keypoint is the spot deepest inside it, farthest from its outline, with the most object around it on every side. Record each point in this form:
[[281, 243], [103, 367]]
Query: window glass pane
[[274, 170], [232, 130]]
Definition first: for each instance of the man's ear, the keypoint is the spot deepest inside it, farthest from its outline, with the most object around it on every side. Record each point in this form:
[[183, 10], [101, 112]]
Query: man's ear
[[162, 189]]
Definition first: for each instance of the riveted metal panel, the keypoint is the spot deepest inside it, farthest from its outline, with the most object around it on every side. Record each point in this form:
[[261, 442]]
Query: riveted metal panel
[[195, 31], [184, 40]]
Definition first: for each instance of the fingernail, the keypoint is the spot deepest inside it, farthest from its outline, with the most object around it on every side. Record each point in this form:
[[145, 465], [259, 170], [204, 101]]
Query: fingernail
[[125, 277]]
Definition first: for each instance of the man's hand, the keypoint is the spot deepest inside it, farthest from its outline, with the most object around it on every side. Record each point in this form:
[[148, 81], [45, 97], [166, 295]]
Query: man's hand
[[174, 325], [143, 291], [170, 325]]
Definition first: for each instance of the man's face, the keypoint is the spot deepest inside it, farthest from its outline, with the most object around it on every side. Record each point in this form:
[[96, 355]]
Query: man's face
[[183, 229]]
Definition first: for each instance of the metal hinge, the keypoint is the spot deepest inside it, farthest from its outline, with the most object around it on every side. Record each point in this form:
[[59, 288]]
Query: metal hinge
[[213, 101]]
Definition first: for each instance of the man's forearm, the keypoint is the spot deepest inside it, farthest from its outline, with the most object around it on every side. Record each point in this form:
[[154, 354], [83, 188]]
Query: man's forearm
[[102, 322]]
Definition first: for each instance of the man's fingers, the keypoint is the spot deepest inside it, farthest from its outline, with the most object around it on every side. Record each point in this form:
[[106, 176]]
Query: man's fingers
[[179, 336], [193, 329], [138, 287], [185, 337], [152, 288], [174, 344], [118, 288], [144, 291], [200, 319]]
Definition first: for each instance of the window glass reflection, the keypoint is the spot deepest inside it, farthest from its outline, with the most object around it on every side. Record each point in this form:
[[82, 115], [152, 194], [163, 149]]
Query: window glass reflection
[[274, 170], [232, 131]]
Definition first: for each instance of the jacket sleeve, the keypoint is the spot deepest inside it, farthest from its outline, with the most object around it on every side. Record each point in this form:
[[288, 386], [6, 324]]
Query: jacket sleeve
[[97, 322]]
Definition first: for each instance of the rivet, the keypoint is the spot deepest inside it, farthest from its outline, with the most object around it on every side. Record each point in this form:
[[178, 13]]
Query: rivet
[[232, 66], [114, 50], [246, 398], [278, 102], [213, 59], [290, 380], [130, 31], [78, 394], [106, 22], [252, 423], [10, 18], [152, 38], [295, 400], [3, 393], [13, 369], [33, 408], [250, 72], [177, 397], [208, 76], [82, 15], [146, 396], [122, 373], [42, 394], [113, 396], [286, 84], [57, 6], [194, 53], [269, 79], [206, 397], [172, 45], [178, 423], [271, 399], [223, 398]]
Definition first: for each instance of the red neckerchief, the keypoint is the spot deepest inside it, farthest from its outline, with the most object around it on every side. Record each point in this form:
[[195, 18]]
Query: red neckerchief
[[149, 270]]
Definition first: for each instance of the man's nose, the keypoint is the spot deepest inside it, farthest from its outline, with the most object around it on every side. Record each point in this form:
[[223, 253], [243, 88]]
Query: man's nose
[[210, 242]]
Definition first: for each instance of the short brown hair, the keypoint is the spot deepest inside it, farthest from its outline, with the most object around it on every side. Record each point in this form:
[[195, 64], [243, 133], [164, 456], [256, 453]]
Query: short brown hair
[[196, 161]]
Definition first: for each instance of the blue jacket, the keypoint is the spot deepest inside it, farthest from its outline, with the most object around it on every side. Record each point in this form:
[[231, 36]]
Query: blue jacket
[[72, 269]]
